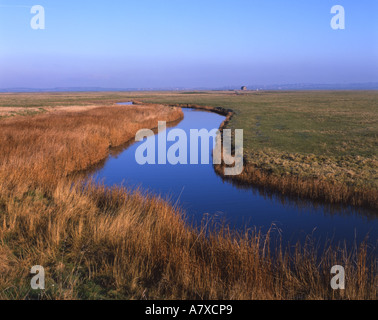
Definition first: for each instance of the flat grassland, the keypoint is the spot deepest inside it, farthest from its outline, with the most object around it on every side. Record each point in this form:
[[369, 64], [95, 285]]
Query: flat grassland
[[101, 243]]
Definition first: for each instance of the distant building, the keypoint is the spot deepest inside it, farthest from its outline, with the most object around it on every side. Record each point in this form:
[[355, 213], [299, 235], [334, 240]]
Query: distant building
[[243, 88]]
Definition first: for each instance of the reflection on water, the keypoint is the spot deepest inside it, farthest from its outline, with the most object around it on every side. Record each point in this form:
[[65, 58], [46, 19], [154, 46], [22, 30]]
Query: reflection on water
[[129, 103], [200, 191], [302, 203]]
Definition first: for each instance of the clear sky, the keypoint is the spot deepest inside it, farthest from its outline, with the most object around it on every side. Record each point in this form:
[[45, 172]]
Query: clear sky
[[186, 43]]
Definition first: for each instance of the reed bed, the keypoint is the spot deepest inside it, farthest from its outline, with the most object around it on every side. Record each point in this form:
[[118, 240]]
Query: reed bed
[[47, 147]]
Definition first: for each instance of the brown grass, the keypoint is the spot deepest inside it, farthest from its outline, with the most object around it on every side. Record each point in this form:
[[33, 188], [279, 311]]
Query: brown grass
[[45, 148], [107, 243], [96, 242]]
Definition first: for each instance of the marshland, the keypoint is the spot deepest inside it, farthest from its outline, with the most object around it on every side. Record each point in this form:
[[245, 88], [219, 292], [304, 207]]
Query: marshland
[[98, 239]]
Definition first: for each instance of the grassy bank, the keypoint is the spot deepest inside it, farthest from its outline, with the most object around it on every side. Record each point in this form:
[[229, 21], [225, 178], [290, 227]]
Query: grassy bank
[[96, 242]]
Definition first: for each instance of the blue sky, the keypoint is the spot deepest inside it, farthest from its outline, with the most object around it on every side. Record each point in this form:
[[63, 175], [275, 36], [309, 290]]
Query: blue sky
[[186, 43]]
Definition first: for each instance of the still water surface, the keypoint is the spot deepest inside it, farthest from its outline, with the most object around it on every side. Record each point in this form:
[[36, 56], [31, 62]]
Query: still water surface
[[200, 191]]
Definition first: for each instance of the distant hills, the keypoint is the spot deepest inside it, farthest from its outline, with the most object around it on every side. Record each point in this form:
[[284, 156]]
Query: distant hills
[[65, 89], [308, 86], [295, 86]]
